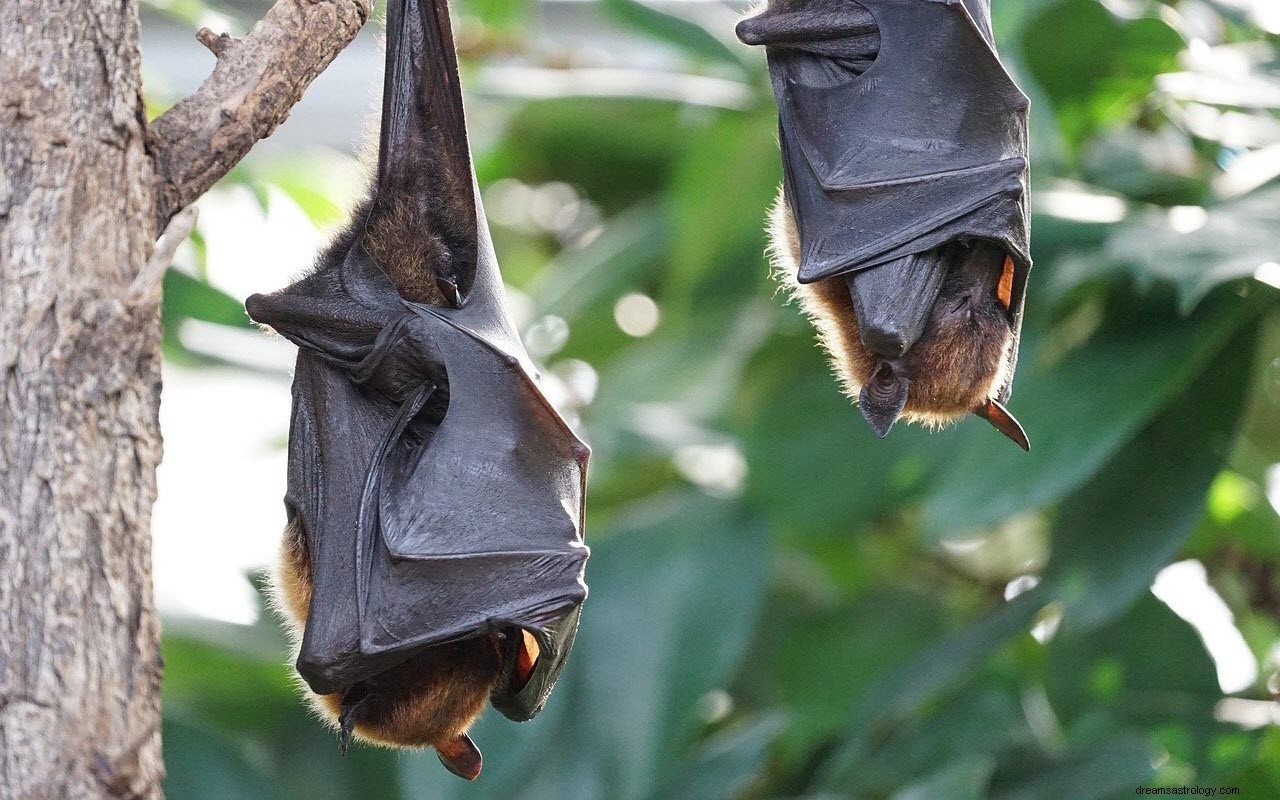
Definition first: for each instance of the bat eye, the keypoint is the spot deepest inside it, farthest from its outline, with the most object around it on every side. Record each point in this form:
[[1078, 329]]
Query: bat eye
[[1004, 289], [526, 660]]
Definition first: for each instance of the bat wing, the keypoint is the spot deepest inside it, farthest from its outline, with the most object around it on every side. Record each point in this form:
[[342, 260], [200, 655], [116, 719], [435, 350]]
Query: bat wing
[[925, 146], [440, 493]]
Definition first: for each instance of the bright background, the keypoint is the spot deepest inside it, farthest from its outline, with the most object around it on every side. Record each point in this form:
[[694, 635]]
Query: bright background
[[781, 605]]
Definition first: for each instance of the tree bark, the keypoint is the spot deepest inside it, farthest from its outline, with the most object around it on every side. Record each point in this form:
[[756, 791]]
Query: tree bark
[[79, 396], [80, 189]]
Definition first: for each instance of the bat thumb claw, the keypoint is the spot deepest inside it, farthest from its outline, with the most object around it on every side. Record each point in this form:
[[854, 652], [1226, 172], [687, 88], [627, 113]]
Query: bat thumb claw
[[461, 757], [449, 289]]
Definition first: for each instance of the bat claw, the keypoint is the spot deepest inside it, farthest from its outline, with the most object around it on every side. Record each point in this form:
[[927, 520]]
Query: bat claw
[[344, 735], [352, 699]]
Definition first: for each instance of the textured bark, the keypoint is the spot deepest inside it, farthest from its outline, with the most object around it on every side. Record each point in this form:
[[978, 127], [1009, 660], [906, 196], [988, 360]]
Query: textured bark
[[79, 395], [80, 184], [256, 82]]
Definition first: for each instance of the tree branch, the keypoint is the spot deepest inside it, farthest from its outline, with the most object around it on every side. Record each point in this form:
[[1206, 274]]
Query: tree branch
[[255, 83]]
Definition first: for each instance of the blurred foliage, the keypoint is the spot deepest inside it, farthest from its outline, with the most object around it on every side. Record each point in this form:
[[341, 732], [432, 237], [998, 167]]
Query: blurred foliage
[[781, 605]]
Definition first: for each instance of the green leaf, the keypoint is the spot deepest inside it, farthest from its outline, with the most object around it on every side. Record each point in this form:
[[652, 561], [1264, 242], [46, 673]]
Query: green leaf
[[1161, 166], [1094, 68], [861, 641], [719, 196], [1131, 518], [1113, 769], [729, 763], [1109, 670], [186, 297], [201, 764], [501, 14], [618, 150], [668, 619], [815, 465], [1234, 239], [898, 694], [690, 37], [965, 779], [621, 257], [1077, 412]]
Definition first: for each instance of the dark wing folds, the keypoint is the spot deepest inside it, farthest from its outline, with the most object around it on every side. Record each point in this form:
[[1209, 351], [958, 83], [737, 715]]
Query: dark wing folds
[[900, 143], [440, 493]]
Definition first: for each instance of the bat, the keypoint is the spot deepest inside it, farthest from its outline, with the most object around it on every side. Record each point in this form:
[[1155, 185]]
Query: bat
[[902, 225], [433, 560]]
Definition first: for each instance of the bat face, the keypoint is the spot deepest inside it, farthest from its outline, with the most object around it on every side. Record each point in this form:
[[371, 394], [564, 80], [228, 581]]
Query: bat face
[[904, 224], [957, 364]]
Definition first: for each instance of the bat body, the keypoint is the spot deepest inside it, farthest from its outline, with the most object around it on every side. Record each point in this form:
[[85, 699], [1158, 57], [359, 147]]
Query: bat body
[[902, 225], [433, 561]]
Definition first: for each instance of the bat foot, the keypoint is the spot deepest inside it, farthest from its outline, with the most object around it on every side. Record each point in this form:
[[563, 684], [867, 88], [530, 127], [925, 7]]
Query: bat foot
[[1001, 419], [461, 757]]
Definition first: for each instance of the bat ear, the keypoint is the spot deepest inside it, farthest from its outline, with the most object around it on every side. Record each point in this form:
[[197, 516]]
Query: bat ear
[[461, 757], [882, 398], [1000, 418]]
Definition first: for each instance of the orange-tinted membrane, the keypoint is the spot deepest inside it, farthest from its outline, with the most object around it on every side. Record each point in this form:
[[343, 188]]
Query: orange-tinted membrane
[[1004, 290], [526, 659]]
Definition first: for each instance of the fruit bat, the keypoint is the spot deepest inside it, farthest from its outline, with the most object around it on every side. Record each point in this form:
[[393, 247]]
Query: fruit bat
[[902, 225], [433, 558]]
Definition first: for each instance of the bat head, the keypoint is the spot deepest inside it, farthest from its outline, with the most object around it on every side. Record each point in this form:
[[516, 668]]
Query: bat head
[[955, 365]]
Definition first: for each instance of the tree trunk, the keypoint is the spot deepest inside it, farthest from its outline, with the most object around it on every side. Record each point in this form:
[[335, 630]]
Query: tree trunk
[[79, 398], [83, 185]]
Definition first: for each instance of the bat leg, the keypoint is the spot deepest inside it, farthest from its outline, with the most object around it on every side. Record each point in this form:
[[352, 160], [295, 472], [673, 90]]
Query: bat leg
[[461, 757]]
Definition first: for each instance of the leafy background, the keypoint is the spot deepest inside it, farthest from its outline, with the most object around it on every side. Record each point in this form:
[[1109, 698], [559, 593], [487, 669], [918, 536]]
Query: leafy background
[[781, 605]]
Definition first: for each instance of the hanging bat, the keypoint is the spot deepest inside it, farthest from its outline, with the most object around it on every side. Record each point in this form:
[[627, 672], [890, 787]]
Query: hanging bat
[[433, 560], [902, 225]]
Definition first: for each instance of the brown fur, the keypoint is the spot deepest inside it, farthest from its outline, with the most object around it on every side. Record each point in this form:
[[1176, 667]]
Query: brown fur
[[959, 361], [406, 251], [427, 700]]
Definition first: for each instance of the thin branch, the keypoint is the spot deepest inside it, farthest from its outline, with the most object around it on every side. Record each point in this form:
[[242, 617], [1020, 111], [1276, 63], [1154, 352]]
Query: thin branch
[[216, 42], [254, 85], [147, 283]]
